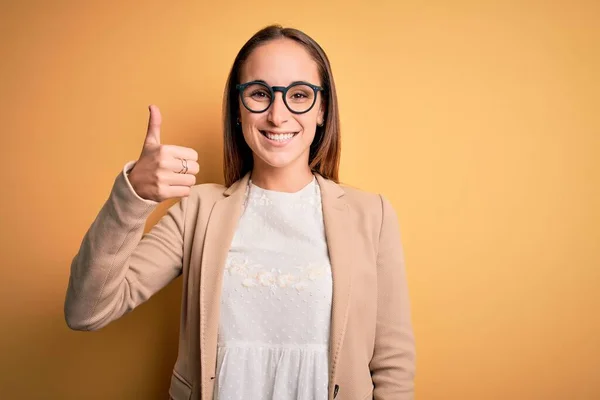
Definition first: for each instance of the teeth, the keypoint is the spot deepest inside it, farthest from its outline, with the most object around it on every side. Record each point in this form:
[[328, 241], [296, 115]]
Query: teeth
[[280, 136]]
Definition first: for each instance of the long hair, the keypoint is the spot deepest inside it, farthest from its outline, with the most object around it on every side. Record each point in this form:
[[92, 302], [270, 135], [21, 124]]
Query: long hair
[[324, 157]]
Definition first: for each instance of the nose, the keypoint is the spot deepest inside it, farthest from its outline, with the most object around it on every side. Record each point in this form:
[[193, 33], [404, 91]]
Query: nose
[[278, 113]]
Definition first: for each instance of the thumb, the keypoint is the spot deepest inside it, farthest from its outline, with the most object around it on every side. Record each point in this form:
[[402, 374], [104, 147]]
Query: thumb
[[154, 122]]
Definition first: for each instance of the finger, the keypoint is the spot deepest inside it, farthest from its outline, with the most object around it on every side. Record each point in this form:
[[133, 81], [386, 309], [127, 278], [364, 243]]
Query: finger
[[175, 165], [178, 191], [185, 153], [154, 122], [180, 180]]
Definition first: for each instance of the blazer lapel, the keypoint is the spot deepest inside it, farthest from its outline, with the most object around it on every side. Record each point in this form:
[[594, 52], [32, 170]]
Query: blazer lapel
[[220, 231], [339, 244]]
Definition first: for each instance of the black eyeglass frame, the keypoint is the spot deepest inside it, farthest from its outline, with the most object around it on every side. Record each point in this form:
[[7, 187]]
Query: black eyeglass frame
[[283, 89]]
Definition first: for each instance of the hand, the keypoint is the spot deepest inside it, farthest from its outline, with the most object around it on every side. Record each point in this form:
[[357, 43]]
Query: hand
[[155, 175]]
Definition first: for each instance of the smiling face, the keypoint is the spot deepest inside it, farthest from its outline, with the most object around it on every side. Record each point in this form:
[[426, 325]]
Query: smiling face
[[277, 137]]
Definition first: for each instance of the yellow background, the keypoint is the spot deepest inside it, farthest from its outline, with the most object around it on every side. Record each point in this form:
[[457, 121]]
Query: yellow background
[[479, 121]]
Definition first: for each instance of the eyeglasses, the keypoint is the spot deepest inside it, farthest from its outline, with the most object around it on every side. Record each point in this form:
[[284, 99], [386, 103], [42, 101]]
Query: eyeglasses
[[299, 97]]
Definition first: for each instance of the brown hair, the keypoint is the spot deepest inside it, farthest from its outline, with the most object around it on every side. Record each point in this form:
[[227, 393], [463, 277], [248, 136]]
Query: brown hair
[[325, 150]]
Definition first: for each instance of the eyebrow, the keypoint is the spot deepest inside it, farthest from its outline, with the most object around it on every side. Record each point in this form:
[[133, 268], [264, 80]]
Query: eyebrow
[[265, 82]]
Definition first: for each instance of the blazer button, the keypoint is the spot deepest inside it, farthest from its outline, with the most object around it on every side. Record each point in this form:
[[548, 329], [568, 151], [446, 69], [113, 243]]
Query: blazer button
[[335, 390]]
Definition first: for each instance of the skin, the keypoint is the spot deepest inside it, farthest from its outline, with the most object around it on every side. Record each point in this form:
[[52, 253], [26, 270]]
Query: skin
[[282, 168]]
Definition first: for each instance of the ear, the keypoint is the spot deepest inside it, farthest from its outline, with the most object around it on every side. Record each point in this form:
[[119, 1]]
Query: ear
[[321, 114]]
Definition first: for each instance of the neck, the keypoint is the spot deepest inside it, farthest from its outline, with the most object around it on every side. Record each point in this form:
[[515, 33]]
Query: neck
[[290, 179]]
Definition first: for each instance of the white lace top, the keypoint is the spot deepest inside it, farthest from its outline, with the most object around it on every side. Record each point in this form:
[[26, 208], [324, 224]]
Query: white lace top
[[276, 300]]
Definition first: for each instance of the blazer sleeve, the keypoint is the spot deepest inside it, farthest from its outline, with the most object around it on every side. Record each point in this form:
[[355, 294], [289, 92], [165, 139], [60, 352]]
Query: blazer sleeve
[[393, 363], [118, 267]]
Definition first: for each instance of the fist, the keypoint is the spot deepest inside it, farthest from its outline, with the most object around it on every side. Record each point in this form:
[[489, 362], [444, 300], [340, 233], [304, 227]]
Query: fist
[[163, 171]]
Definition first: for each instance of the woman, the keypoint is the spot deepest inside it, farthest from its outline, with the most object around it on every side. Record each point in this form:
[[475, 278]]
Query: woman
[[293, 285]]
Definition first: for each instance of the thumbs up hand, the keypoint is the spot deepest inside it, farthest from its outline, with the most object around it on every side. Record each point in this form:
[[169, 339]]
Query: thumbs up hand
[[163, 171]]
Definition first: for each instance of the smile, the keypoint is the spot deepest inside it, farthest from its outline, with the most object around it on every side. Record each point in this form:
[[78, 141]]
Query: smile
[[278, 137]]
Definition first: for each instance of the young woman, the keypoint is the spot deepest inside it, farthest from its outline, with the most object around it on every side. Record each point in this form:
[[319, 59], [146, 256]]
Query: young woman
[[293, 285]]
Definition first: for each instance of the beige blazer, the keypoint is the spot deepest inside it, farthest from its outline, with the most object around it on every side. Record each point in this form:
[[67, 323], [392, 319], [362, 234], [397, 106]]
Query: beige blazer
[[118, 267]]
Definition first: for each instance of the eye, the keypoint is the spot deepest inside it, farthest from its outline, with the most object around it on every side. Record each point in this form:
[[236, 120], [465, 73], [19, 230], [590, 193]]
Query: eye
[[259, 94], [299, 95]]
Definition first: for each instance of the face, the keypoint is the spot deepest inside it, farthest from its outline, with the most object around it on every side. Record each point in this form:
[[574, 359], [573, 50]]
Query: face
[[279, 138]]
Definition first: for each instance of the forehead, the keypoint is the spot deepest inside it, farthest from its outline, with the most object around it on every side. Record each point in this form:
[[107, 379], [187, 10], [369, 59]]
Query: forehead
[[280, 62]]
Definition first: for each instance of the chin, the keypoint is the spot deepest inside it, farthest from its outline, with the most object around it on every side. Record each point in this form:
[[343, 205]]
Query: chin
[[279, 161]]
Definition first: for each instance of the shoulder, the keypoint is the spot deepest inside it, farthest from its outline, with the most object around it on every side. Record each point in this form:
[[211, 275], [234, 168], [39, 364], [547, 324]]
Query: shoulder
[[374, 206], [201, 200], [362, 199], [207, 192], [209, 189], [374, 213]]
